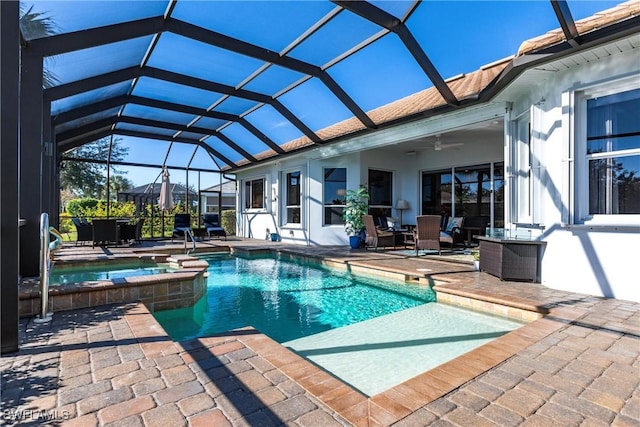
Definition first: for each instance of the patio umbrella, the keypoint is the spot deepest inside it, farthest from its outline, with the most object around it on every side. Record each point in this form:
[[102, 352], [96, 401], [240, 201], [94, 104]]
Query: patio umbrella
[[165, 202]]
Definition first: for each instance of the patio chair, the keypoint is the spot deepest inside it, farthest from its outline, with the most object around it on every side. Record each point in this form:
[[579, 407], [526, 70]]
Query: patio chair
[[181, 223], [84, 230], [212, 225], [376, 237], [132, 232], [105, 231], [426, 235], [452, 235]]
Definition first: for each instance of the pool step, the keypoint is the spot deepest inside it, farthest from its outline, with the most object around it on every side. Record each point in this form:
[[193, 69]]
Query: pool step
[[176, 261]]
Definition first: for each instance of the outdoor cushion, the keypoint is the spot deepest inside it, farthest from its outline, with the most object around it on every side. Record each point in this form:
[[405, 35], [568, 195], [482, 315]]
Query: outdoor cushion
[[455, 222]]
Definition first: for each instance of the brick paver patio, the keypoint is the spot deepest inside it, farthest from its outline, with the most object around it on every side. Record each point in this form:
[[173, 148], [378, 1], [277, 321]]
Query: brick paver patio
[[114, 365]]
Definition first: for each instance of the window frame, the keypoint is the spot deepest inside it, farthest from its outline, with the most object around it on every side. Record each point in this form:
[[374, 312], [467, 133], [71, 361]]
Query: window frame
[[579, 174], [285, 205], [378, 209], [324, 190], [247, 199]]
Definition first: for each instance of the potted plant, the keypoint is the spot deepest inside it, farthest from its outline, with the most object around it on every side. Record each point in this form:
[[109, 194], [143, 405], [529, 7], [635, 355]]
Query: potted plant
[[476, 259], [355, 207]]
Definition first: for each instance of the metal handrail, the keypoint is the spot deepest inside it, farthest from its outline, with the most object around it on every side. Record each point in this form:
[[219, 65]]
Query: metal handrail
[[187, 233], [45, 269]]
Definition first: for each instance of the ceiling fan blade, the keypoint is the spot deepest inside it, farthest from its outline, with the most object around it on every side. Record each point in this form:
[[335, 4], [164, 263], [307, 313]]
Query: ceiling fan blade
[[455, 144]]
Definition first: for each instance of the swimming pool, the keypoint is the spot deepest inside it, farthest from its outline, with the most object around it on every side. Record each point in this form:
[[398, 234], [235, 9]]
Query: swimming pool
[[66, 275], [371, 333], [286, 299]]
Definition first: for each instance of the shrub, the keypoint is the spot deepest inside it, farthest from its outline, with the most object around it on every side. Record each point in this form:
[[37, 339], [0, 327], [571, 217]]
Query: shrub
[[228, 222], [78, 207]]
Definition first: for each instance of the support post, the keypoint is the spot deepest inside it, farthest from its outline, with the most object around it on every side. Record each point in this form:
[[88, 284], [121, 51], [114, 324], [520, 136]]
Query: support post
[[30, 179], [9, 195]]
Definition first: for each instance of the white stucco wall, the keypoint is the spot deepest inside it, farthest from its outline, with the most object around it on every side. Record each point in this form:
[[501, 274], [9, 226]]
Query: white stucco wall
[[597, 260]]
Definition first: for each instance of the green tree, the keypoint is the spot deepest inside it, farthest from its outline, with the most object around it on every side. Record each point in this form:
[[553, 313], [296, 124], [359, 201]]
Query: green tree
[[89, 179], [35, 25], [118, 183]]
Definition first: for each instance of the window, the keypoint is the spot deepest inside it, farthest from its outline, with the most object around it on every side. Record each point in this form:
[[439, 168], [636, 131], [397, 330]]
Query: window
[[380, 192], [613, 153], [335, 188], [292, 198], [254, 194]]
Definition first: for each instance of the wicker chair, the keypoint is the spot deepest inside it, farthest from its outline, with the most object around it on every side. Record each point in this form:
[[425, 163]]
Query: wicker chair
[[105, 231], [84, 230], [376, 237], [132, 232], [427, 233]]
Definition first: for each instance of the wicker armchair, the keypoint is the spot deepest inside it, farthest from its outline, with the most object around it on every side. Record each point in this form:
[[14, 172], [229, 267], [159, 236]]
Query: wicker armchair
[[376, 237], [105, 231], [84, 230], [427, 233]]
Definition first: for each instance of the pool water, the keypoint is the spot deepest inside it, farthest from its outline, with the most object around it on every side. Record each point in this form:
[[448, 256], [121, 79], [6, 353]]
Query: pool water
[[286, 299], [64, 275]]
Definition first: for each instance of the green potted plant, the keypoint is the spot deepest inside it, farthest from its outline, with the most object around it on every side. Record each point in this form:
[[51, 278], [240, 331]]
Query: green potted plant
[[355, 207], [476, 259]]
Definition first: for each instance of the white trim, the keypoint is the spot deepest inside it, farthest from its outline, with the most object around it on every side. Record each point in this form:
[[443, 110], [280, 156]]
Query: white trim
[[575, 103], [282, 202]]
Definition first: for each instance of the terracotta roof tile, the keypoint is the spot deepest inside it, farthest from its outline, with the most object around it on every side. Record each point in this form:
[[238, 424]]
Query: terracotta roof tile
[[618, 13]]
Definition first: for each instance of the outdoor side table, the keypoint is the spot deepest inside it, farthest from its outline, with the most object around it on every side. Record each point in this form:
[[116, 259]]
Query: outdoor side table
[[511, 259]]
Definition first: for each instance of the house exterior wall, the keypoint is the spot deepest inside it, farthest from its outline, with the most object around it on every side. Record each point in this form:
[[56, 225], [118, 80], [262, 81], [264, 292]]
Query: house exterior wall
[[595, 259], [580, 256]]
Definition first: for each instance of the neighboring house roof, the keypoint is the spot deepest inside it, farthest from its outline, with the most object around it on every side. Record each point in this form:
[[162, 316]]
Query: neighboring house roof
[[228, 187], [464, 86]]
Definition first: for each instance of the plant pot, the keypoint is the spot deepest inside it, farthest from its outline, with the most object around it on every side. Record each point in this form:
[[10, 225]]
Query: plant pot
[[355, 242], [275, 237]]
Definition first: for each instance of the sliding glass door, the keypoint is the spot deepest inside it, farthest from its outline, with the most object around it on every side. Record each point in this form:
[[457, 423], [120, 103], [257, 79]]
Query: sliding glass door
[[465, 191]]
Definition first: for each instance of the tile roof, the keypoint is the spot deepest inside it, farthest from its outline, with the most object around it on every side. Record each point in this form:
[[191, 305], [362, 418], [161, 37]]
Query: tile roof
[[618, 13]]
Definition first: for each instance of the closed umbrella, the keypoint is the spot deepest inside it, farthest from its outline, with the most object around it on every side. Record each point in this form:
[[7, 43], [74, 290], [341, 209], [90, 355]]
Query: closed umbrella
[[165, 202]]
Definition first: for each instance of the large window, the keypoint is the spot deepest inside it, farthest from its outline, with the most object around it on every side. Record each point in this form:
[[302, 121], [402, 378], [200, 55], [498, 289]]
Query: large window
[[292, 197], [254, 194], [613, 153], [380, 192], [335, 188]]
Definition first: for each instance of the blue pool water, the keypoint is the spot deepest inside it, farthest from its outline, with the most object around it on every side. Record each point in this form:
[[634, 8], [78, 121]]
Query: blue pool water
[[61, 276], [286, 299]]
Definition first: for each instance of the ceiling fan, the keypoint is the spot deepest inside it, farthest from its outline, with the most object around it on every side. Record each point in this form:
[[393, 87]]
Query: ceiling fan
[[438, 145]]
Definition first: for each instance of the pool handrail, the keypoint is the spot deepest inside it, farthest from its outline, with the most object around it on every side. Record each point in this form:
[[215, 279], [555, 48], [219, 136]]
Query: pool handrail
[[45, 270]]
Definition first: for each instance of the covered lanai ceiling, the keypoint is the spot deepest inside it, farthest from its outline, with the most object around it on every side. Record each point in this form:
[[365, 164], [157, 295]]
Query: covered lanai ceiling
[[217, 85]]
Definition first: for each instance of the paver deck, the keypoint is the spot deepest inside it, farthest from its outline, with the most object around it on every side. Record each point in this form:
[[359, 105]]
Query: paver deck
[[114, 365]]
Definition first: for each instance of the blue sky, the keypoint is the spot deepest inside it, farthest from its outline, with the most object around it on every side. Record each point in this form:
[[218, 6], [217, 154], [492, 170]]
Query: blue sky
[[458, 36]]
